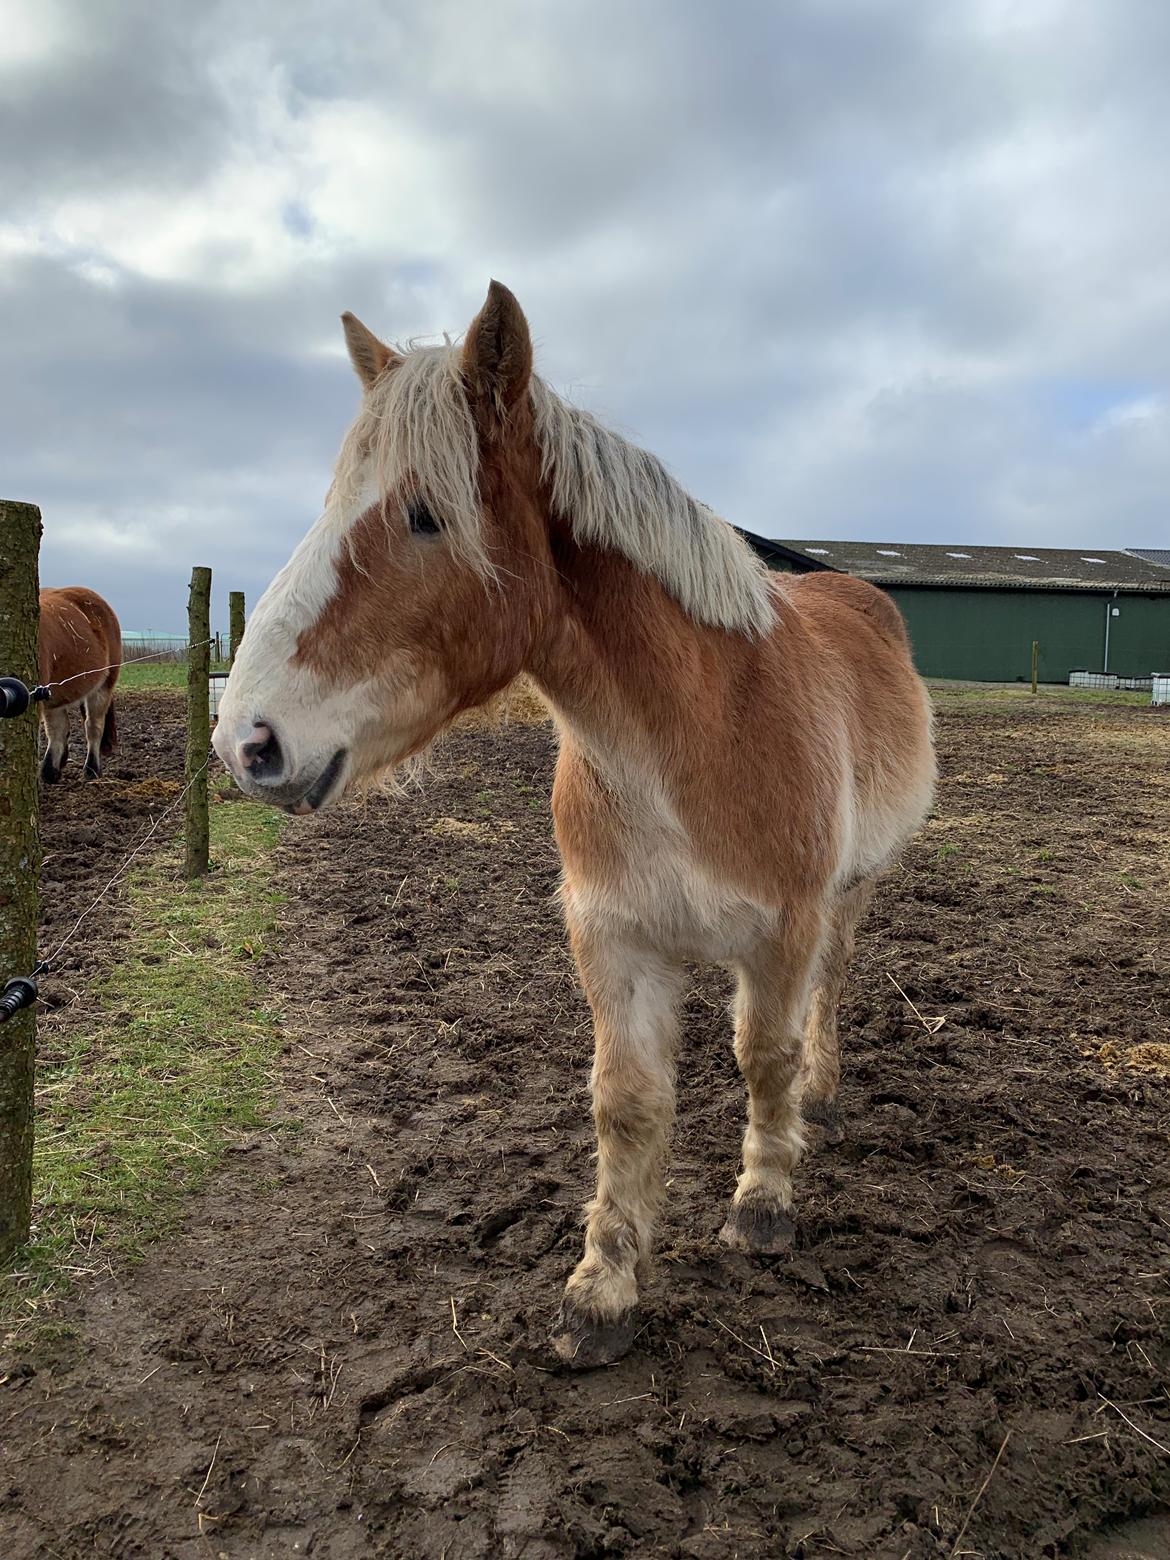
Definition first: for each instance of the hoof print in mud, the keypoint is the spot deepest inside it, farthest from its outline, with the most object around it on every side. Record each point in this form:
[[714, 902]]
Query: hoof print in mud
[[825, 1114], [754, 1226], [584, 1343]]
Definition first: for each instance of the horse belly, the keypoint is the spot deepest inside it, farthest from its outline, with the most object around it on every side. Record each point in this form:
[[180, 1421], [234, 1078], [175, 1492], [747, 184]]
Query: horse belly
[[879, 825]]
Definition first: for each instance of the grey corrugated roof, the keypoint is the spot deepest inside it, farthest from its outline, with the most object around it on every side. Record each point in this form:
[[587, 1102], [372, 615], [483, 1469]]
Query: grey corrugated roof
[[1046, 568], [771, 550], [1158, 555]]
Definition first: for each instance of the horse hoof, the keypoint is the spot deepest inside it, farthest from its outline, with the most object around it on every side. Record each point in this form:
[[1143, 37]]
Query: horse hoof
[[583, 1342], [825, 1114], [93, 771], [759, 1227], [50, 776]]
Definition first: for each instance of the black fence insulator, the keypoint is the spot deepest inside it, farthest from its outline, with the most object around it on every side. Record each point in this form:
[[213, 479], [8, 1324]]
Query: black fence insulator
[[19, 993], [15, 698]]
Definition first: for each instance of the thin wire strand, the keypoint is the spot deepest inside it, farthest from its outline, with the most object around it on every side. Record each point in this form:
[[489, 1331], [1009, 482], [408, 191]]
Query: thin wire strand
[[132, 660], [121, 872]]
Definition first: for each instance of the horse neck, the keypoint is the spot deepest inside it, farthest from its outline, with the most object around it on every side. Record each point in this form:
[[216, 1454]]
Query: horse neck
[[621, 661]]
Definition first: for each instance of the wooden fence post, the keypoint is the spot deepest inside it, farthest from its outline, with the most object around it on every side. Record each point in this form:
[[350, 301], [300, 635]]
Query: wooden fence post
[[1035, 662], [20, 860], [198, 720], [235, 624]]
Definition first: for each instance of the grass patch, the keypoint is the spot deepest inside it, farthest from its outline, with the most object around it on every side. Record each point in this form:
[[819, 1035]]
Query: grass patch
[[957, 695], [158, 674], [171, 1054]]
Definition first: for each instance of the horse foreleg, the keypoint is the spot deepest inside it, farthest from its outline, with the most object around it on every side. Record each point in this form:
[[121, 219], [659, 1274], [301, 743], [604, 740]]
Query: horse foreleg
[[822, 1049], [635, 996], [56, 727], [772, 998]]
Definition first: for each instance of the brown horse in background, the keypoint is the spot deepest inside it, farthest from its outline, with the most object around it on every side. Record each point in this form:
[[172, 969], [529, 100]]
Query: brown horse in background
[[78, 659]]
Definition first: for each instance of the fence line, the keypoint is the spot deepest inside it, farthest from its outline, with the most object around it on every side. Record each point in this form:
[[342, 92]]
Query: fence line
[[18, 696], [20, 531], [195, 770], [147, 836], [20, 535], [235, 624], [198, 821], [130, 660]]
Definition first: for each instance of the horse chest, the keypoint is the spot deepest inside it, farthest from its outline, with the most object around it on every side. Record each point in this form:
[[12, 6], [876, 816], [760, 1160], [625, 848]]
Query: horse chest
[[650, 887]]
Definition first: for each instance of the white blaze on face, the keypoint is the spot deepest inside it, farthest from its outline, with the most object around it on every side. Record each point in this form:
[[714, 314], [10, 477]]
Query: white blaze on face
[[311, 720]]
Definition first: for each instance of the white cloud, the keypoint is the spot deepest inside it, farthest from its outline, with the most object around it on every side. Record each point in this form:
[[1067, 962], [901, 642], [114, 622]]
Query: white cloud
[[31, 34]]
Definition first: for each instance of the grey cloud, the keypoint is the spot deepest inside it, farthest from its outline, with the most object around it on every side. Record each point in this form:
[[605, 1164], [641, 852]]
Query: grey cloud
[[829, 259], [128, 100]]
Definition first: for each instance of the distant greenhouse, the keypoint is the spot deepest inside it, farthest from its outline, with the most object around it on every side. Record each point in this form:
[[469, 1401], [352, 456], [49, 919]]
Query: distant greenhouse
[[147, 642]]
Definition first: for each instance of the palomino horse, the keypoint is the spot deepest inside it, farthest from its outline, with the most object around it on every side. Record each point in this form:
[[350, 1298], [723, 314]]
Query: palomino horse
[[79, 656], [740, 754]]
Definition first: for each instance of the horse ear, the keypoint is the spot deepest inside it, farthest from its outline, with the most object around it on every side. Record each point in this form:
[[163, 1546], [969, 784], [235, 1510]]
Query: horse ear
[[497, 355], [367, 354]]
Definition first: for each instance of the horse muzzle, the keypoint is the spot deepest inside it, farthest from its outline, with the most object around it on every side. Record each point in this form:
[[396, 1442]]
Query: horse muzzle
[[259, 764]]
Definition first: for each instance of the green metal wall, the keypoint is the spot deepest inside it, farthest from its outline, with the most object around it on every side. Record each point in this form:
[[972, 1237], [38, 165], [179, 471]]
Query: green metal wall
[[986, 635]]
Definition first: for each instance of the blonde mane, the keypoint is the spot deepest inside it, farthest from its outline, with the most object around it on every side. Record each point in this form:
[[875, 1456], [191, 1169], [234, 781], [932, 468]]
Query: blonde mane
[[417, 424]]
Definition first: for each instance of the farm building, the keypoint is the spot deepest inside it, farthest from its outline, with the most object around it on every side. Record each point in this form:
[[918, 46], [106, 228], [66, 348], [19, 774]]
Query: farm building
[[784, 555], [973, 612]]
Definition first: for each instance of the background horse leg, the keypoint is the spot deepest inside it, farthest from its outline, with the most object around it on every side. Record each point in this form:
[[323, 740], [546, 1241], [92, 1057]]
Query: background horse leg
[[56, 724], [635, 997], [95, 708], [822, 1051], [771, 1003]]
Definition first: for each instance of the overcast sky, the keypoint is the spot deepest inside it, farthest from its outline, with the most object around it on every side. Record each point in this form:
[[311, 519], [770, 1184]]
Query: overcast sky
[[874, 269]]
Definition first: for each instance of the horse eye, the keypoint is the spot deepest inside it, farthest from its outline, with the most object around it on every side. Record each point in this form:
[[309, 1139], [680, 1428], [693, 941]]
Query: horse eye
[[420, 519]]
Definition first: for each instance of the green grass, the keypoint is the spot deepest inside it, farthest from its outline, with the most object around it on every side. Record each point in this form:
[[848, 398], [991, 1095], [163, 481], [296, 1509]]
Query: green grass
[[171, 1052], [158, 674], [951, 694]]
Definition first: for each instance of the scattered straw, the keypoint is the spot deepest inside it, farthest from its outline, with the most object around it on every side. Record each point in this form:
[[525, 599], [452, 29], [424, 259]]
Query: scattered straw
[[455, 1327], [1137, 1429], [744, 1344], [210, 1466], [979, 1494], [931, 1025]]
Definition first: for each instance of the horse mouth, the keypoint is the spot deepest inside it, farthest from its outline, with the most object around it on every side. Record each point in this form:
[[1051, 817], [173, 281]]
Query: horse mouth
[[321, 789]]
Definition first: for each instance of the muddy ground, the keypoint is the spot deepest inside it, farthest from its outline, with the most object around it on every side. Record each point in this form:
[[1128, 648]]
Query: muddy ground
[[343, 1352]]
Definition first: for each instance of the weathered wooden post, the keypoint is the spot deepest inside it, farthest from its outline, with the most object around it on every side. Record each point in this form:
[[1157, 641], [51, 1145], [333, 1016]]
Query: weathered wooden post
[[235, 624], [1035, 662], [198, 720], [20, 860]]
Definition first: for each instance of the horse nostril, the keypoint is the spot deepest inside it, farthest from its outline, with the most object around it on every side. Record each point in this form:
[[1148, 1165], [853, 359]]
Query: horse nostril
[[261, 754]]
